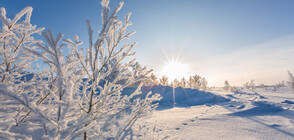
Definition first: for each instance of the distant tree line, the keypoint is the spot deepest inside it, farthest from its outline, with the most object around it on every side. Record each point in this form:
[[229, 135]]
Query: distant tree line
[[195, 82]]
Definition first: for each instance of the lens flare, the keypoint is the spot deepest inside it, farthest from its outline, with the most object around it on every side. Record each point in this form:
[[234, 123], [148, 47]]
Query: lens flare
[[175, 70]]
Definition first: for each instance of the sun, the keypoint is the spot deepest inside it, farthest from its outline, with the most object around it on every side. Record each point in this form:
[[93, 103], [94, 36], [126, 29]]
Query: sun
[[175, 70]]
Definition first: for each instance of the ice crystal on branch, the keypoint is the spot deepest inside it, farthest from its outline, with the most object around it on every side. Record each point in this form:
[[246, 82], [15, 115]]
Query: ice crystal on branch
[[77, 95]]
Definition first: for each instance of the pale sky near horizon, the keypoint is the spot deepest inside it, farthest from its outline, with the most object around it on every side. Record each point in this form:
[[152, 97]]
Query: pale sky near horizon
[[219, 40]]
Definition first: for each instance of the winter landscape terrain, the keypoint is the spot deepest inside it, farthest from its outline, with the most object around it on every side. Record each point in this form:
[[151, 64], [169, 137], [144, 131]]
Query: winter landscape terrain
[[54, 87], [219, 114], [262, 114]]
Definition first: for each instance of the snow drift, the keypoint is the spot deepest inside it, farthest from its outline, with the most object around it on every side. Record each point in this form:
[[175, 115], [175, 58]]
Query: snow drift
[[183, 96], [260, 108]]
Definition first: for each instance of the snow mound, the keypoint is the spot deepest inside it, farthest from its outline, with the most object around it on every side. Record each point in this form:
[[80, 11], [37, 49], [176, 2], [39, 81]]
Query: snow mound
[[256, 95], [288, 102], [183, 96], [260, 108]]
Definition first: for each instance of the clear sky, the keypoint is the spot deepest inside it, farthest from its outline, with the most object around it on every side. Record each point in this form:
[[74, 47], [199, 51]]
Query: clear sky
[[217, 39]]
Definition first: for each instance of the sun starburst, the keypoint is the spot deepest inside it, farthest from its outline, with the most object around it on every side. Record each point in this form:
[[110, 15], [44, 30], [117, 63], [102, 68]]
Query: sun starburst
[[174, 69]]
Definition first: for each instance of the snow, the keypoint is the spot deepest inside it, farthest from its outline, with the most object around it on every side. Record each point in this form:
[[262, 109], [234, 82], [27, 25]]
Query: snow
[[71, 106], [262, 114], [183, 96]]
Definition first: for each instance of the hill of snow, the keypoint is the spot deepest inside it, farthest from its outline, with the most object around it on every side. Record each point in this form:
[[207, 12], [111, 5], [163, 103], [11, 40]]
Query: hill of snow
[[183, 96]]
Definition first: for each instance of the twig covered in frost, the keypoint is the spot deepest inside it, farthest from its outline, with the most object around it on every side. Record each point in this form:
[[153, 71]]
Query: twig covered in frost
[[73, 97]]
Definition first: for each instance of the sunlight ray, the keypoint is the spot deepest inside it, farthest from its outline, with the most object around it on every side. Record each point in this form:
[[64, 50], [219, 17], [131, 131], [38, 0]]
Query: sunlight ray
[[162, 48]]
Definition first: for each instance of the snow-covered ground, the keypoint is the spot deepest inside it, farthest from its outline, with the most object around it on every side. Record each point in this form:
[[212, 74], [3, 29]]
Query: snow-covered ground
[[262, 114]]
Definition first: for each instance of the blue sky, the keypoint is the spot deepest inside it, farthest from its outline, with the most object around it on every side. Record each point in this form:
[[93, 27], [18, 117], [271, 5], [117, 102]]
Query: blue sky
[[218, 39]]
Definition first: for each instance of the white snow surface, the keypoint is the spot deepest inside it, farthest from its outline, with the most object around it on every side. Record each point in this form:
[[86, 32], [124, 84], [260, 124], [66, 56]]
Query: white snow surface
[[258, 114], [246, 115]]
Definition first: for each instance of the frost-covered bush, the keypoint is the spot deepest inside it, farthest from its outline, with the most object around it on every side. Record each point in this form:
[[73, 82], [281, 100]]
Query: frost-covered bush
[[250, 85], [151, 80], [281, 84], [183, 82], [227, 86], [163, 80], [203, 84], [79, 94], [16, 37], [262, 86], [291, 81], [175, 83], [197, 82], [236, 89]]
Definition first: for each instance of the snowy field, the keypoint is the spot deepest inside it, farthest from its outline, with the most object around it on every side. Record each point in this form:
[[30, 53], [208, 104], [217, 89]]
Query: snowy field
[[262, 114]]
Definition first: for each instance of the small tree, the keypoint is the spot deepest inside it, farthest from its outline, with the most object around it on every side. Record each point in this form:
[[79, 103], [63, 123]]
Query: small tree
[[164, 80], [203, 84], [250, 85], [151, 80], [175, 83], [183, 82], [68, 99], [197, 81], [291, 81], [227, 85], [246, 86], [262, 86], [154, 80], [137, 73], [190, 82]]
